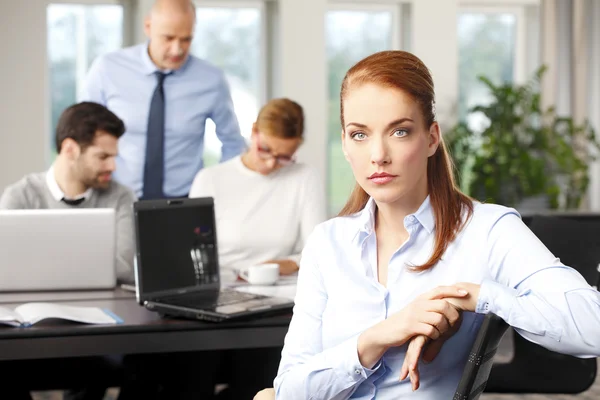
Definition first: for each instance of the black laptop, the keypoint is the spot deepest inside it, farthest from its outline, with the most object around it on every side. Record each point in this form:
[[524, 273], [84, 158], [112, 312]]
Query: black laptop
[[177, 266]]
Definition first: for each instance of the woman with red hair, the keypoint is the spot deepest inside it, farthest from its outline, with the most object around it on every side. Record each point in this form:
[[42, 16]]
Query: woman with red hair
[[408, 269]]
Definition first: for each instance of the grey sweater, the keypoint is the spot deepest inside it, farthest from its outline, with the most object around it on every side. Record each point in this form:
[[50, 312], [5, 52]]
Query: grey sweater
[[32, 192]]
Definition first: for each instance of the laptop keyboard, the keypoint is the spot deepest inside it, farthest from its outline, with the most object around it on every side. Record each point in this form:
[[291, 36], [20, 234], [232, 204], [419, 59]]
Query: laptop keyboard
[[200, 300]]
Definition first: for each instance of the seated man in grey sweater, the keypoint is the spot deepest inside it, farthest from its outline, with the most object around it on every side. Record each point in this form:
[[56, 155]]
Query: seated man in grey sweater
[[86, 140], [87, 135]]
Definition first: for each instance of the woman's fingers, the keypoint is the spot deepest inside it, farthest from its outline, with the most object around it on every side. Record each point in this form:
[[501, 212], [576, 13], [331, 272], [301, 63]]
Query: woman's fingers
[[427, 329], [411, 355], [404, 369], [410, 366], [460, 304], [434, 347], [437, 320], [442, 292], [446, 308]]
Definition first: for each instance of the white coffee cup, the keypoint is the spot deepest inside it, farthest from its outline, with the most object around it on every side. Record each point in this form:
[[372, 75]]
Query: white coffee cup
[[261, 274]]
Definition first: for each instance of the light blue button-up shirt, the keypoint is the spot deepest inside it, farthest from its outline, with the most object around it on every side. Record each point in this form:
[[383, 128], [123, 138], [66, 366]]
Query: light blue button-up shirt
[[124, 82], [339, 297]]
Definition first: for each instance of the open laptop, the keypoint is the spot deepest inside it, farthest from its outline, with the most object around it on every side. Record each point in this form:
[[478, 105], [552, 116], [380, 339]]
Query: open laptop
[[177, 266], [57, 249]]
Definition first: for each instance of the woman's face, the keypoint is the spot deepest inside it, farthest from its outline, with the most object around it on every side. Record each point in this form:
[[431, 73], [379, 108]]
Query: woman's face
[[271, 153], [387, 144]]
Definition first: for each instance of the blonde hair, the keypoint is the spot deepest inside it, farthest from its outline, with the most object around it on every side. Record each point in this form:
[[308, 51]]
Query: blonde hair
[[282, 118]]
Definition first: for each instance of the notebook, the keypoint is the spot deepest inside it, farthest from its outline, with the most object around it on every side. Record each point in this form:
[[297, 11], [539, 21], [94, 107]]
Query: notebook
[[57, 249], [31, 313], [177, 267]]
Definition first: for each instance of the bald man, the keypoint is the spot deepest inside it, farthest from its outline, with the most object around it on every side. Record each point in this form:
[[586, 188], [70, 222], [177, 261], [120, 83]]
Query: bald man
[[164, 95]]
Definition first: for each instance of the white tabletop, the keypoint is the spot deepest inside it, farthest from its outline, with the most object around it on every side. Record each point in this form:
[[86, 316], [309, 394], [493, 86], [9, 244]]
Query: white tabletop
[[284, 287], [286, 291]]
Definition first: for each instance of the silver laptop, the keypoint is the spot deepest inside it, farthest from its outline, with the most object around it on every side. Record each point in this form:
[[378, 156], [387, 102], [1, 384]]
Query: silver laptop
[[56, 249]]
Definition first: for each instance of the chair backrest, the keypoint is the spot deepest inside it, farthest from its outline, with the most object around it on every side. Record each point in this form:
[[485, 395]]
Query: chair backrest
[[574, 240], [481, 358], [572, 237]]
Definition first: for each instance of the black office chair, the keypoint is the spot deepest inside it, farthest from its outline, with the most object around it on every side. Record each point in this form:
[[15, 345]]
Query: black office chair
[[481, 358], [575, 240]]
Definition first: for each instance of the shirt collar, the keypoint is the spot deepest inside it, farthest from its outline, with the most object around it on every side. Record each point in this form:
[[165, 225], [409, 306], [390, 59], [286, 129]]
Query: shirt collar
[[425, 215], [57, 192], [366, 221], [150, 68], [366, 218]]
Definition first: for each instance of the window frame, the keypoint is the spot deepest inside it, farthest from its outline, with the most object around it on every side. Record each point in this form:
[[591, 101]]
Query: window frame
[[519, 65], [127, 18], [393, 7], [527, 40], [87, 2], [264, 84]]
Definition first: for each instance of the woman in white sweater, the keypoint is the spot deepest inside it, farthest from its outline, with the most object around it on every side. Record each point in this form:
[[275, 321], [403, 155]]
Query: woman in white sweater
[[266, 203]]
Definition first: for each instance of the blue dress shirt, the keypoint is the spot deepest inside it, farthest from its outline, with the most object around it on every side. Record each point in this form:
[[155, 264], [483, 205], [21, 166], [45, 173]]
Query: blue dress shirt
[[339, 297], [124, 81]]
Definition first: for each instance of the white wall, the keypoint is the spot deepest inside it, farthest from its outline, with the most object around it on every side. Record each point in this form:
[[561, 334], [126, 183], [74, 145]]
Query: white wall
[[24, 111], [302, 68], [435, 41]]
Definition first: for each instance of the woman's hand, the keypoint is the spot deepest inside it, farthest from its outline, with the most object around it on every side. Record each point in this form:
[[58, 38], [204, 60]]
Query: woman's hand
[[411, 360], [467, 303], [430, 315], [427, 315], [286, 267], [422, 347]]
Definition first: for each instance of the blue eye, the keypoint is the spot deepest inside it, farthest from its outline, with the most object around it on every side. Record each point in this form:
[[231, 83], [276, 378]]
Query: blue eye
[[400, 132], [358, 136]]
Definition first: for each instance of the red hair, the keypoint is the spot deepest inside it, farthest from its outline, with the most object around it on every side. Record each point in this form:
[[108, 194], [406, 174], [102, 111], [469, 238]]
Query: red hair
[[406, 72]]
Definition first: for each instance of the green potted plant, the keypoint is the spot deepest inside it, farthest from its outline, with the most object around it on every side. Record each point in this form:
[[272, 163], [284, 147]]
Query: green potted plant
[[525, 151]]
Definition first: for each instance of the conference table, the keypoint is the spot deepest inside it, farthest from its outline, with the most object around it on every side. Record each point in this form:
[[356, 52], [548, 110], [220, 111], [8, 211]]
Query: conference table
[[142, 331]]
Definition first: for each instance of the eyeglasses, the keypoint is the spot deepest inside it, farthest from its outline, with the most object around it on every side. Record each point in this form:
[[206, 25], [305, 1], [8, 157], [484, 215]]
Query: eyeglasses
[[266, 154]]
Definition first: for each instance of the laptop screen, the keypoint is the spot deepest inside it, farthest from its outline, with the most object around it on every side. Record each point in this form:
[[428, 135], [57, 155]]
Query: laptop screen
[[57, 249], [177, 246]]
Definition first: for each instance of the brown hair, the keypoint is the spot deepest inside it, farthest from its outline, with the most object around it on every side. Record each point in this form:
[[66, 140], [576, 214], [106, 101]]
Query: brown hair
[[81, 121], [282, 118], [406, 72]]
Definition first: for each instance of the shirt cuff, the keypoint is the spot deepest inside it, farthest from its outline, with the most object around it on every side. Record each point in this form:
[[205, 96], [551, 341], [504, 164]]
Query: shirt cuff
[[504, 302], [347, 353], [495, 298]]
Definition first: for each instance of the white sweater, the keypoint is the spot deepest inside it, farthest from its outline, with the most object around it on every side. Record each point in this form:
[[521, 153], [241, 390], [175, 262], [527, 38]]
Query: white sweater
[[261, 218]]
